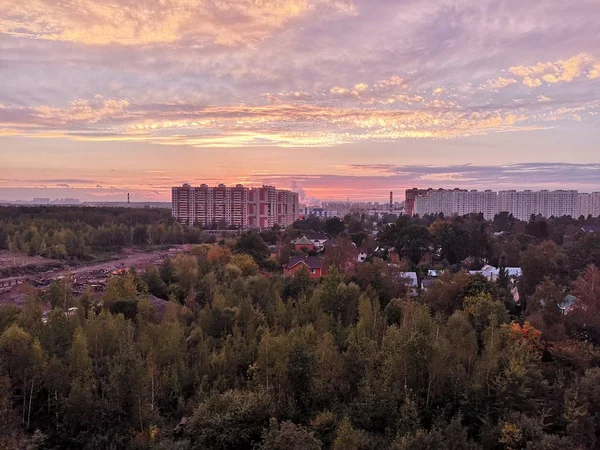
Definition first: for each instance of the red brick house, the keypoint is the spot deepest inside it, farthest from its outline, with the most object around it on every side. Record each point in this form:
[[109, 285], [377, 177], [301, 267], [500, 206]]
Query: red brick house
[[303, 244], [314, 264]]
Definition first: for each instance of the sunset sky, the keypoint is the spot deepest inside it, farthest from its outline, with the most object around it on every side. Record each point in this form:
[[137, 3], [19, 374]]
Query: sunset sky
[[333, 98]]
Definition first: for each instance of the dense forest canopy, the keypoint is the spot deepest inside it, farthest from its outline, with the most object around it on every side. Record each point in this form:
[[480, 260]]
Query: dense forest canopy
[[237, 356]]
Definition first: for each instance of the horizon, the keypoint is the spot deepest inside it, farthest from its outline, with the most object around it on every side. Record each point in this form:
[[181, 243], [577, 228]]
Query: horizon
[[332, 99], [399, 196]]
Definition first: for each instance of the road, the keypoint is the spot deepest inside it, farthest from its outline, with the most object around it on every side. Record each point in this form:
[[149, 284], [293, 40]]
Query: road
[[137, 260]]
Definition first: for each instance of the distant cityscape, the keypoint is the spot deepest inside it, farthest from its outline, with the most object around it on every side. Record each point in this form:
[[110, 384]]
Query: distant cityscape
[[266, 206]]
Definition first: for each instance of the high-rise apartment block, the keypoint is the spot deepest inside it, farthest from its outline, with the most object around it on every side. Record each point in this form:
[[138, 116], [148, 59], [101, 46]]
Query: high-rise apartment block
[[456, 201], [521, 204], [589, 204], [236, 206]]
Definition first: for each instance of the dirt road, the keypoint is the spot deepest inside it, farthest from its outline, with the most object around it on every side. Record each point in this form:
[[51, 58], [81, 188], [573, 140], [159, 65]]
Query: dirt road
[[138, 260]]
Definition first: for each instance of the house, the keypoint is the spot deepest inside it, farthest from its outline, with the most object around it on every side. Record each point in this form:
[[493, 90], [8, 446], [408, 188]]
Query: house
[[435, 273], [412, 281], [428, 283], [491, 273], [314, 264], [568, 304], [303, 244], [318, 239], [589, 228]]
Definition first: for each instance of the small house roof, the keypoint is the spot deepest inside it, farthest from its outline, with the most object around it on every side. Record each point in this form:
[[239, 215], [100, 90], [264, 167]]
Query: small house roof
[[303, 241], [312, 262], [411, 277], [589, 228], [315, 236]]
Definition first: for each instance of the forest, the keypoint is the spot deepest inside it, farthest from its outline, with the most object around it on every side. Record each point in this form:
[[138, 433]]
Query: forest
[[238, 356], [84, 232]]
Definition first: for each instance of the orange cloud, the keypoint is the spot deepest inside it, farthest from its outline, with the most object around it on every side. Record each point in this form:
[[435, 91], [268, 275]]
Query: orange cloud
[[281, 125], [99, 22], [563, 70]]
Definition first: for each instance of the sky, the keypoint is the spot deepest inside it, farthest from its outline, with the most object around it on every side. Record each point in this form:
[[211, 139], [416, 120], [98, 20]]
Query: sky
[[335, 99]]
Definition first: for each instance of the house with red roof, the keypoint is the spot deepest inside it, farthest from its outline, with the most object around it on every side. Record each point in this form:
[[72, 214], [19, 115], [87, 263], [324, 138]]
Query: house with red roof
[[314, 264]]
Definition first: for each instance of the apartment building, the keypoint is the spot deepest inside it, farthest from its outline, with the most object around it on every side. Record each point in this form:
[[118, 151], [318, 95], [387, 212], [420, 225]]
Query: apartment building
[[588, 204], [521, 204], [237, 206], [456, 201]]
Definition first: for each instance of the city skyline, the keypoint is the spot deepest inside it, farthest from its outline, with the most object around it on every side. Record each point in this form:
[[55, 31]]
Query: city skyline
[[333, 99]]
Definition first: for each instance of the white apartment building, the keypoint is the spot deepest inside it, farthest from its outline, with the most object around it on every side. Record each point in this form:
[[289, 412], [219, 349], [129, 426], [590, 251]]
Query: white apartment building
[[588, 204], [521, 204], [459, 202]]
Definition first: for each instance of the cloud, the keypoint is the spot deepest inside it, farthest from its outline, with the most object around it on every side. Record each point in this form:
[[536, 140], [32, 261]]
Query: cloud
[[518, 175], [295, 119], [561, 71], [64, 185], [595, 71], [393, 82], [498, 83], [191, 22], [272, 125]]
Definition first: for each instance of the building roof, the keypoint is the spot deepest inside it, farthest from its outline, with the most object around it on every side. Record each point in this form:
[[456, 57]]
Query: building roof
[[491, 272], [589, 228], [568, 302], [411, 277], [313, 236], [303, 241], [427, 283], [312, 262]]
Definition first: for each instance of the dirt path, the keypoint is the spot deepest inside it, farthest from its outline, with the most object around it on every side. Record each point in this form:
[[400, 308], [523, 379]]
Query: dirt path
[[137, 260]]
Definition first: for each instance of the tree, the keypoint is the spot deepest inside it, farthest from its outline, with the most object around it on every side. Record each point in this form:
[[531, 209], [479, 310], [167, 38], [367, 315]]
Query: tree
[[538, 262], [349, 438], [341, 254], [140, 235], [334, 226], [245, 263], [412, 242], [185, 269], [230, 421], [288, 436], [252, 244]]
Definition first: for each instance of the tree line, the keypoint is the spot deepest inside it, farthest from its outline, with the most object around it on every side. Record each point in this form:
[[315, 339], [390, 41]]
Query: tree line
[[81, 232]]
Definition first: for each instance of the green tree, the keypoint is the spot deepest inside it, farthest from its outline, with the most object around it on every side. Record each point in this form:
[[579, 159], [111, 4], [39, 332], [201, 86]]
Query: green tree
[[288, 436], [230, 421], [252, 244]]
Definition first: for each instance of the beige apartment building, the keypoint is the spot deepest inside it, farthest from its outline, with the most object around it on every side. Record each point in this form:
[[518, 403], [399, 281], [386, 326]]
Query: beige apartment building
[[223, 206]]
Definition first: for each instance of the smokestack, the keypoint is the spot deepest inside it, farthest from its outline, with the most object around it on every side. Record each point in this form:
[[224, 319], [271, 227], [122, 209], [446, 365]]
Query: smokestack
[[391, 201], [128, 202]]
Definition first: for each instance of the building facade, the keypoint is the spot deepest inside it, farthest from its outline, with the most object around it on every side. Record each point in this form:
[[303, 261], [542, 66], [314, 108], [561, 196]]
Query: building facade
[[521, 204], [588, 204], [224, 206], [456, 201]]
